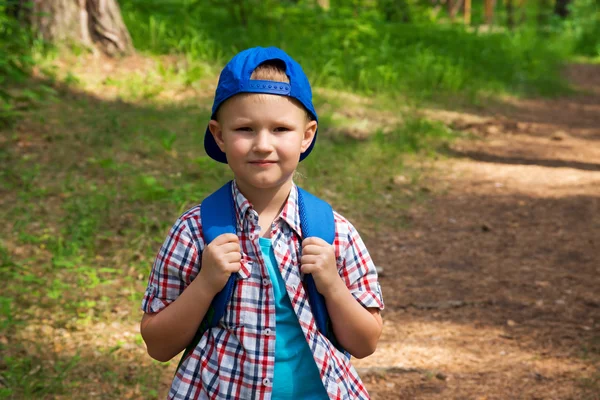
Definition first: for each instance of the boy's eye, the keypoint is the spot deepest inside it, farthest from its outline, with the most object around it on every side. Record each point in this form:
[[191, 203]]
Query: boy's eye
[[281, 129], [243, 129]]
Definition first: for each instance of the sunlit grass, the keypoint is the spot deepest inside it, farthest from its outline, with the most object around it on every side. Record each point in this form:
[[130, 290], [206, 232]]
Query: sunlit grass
[[359, 52]]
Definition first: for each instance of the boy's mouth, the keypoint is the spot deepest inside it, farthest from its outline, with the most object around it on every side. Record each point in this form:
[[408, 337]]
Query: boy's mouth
[[262, 163]]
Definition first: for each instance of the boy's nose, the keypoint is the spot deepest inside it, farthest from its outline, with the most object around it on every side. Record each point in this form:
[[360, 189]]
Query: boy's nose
[[262, 141]]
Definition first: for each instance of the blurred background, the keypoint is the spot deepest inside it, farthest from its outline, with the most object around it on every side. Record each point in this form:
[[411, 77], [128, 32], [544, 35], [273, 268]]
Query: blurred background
[[461, 137]]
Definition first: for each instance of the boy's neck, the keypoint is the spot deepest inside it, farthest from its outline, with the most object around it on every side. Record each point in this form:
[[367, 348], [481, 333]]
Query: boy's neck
[[267, 201]]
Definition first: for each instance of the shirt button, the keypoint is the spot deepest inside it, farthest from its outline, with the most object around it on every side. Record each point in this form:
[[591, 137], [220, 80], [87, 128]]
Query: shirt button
[[267, 382], [252, 236], [265, 282], [267, 332]]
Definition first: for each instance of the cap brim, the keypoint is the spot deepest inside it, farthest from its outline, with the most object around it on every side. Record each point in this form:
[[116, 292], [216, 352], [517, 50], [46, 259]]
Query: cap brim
[[212, 149]]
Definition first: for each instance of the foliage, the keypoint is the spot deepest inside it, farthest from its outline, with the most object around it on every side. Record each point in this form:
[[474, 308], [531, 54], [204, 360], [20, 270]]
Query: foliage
[[584, 26], [358, 50], [15, 64], [20, 53]]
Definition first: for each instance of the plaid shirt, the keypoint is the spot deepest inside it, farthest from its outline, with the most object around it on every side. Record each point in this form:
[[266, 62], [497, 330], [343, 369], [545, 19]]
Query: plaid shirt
[[236, 359]]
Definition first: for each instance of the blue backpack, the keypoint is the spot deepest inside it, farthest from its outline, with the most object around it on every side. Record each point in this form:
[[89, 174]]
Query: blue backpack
[[217, 213]]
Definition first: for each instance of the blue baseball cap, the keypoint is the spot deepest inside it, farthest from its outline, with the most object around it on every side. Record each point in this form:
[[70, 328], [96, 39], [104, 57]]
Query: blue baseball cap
[[235, 79]]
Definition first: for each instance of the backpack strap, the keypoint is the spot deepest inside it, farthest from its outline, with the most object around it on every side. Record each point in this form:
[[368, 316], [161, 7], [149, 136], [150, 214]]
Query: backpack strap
[[217, 213], [317, 220]]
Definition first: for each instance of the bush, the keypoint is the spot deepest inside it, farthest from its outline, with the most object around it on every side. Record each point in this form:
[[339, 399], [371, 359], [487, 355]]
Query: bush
[[370, 52], [584, 25]]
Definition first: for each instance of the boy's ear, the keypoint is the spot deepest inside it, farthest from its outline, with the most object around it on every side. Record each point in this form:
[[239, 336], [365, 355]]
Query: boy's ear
[[217, 132], [309, 135]]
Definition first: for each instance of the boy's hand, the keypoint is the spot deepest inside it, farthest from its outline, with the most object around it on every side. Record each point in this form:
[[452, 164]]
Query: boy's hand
[[318, 259], [220, 259]]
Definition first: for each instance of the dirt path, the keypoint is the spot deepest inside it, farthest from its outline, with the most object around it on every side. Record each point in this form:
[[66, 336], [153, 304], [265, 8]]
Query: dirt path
[[494, 291]]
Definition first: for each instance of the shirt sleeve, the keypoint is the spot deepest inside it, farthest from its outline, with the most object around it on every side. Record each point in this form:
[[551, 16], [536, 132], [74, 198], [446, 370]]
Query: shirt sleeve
[[176, 265], [355, 265]]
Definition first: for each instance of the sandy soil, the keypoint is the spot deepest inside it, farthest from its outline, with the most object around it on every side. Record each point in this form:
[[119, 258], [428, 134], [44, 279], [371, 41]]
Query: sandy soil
[[494, 290]]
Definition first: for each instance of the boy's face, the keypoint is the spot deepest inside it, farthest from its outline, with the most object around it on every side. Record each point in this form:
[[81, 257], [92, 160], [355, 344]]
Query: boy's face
[[263, 136]]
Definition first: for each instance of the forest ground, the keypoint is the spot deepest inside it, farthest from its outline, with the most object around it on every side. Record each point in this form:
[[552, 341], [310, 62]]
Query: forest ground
[[491, 274], [493, 292]]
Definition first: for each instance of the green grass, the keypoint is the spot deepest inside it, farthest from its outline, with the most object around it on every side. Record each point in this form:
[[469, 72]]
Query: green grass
[[364, 53]]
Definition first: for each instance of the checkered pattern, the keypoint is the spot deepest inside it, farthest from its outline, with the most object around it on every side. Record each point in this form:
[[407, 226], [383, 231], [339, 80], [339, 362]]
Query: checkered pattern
[[235, 360]]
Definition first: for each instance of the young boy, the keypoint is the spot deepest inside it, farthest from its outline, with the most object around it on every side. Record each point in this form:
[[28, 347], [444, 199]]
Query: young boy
[[267, 344]]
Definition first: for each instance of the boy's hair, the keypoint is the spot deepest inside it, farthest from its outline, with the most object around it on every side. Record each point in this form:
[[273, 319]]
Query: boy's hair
[[273, 70]]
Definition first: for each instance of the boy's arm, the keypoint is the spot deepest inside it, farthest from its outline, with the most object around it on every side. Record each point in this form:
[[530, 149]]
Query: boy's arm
[[169, 330], [356, 328]]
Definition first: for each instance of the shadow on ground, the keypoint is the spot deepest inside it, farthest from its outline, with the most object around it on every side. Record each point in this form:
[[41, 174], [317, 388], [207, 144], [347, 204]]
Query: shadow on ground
[[516, 160]]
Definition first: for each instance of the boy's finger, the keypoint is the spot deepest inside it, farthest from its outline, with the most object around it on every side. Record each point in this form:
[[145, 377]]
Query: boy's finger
[[233, 257], [226, 238], [233, 267], [313, 249], [229, 247], [313, 240], [308, 259], [308, 268]]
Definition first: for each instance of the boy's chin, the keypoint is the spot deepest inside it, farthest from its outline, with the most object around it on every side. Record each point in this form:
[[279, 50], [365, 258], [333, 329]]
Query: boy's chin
[[267, 184]]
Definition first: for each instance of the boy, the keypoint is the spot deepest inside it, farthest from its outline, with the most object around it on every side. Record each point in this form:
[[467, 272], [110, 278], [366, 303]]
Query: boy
[[267, 345]]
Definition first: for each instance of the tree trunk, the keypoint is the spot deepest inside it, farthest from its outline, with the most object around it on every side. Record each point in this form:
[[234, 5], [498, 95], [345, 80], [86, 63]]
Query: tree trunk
[[467, 14], [489, 11], [456, 6], [96, 24]]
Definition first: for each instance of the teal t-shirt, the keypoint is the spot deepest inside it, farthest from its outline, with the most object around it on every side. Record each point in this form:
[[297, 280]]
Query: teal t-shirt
[[296, 375]]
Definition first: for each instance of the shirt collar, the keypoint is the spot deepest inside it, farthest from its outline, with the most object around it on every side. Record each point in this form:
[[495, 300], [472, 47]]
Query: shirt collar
[[289, 213]]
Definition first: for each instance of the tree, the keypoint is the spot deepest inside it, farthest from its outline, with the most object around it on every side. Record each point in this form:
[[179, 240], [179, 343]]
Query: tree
[[510, 17], [96, 24], [489, 11], [561, 8], [454, 7], [395, 10]]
